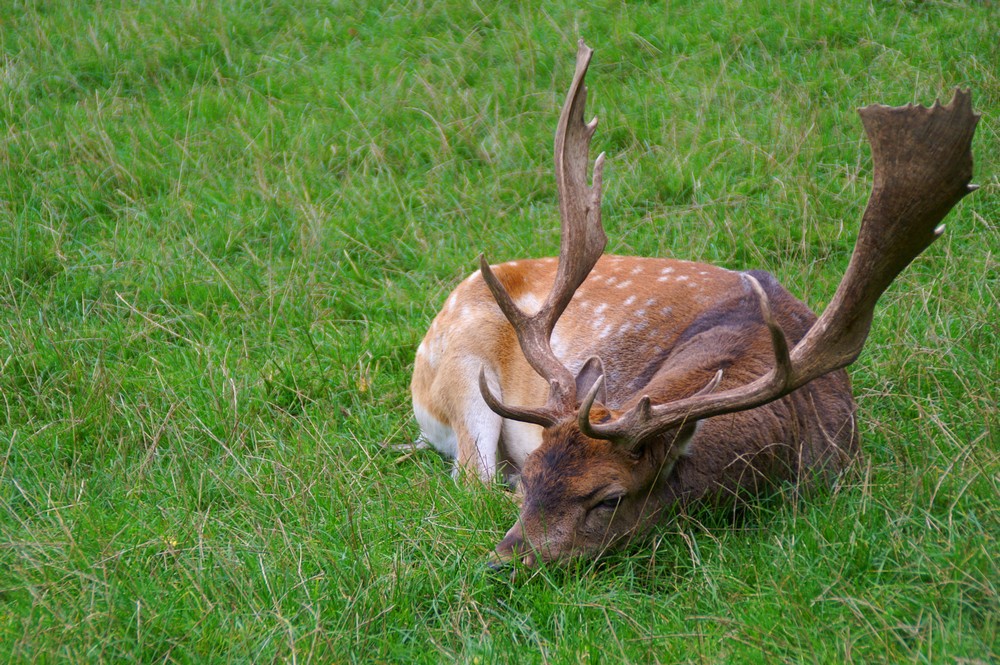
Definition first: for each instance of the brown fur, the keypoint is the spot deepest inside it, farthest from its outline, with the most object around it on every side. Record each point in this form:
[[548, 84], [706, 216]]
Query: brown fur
[[688, 333], [807, 434]]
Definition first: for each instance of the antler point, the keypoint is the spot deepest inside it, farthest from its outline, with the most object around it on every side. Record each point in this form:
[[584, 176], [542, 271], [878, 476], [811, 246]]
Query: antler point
[[645, 408]]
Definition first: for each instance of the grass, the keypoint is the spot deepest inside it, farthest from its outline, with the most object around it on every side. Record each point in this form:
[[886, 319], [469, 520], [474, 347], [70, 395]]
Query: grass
[[224, 228]]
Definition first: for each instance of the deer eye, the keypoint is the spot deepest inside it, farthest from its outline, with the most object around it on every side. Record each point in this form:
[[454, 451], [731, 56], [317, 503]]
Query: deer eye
[[610, 503]]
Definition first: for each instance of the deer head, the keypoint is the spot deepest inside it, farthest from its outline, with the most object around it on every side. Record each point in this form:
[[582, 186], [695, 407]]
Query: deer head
[[598, 476]]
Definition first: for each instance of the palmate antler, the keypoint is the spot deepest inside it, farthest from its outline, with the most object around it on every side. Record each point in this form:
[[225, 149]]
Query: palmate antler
[[922, 167], [581, 245]]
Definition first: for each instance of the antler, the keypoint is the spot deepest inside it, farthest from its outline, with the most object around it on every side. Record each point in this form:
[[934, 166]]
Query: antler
[[922, 167], [582, 243]]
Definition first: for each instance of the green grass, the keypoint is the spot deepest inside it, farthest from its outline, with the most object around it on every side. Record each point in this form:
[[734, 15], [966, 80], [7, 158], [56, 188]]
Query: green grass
[[223, 232]]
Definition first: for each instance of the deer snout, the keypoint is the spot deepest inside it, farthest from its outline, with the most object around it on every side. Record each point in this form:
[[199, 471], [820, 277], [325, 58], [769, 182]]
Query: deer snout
[[513, 547]]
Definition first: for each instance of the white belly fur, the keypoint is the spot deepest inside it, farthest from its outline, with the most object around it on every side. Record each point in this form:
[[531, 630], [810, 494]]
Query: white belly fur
[[435, 432]]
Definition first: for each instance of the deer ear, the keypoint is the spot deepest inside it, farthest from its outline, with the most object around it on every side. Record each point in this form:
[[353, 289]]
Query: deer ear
[[591, 371], [665, 456], [682, 440], [679, 445]]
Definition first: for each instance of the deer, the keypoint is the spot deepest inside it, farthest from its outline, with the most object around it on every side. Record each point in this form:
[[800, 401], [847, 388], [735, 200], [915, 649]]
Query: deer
[[613, 389]]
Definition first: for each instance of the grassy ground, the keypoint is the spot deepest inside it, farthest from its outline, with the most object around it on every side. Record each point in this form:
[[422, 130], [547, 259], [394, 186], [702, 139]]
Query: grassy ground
[[223, 232]]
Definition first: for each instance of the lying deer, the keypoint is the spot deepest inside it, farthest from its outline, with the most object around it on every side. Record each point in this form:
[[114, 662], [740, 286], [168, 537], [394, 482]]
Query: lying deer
[[617, 386]]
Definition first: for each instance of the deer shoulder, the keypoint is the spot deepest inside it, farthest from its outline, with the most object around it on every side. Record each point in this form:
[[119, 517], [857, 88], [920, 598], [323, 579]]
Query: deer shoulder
[[629, 311]]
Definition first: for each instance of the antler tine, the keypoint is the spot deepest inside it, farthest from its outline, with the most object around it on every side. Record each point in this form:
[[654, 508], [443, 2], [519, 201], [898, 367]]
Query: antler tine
[[582, 238], [583, 417], [581, 245], [922, 166], [526, 415], [644, 420]]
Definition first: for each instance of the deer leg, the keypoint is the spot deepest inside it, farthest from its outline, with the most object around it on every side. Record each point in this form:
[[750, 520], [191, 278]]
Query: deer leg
[[478, 437]]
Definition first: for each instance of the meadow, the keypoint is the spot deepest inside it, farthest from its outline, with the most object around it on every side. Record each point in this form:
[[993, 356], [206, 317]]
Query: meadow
[[225, 227]]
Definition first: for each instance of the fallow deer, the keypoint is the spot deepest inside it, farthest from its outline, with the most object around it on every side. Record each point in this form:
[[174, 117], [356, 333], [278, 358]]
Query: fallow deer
[[618, 386]]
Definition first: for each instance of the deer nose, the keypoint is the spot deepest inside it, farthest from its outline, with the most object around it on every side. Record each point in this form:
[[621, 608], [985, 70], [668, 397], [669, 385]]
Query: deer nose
[[499, 564], [512, 543], [513, 547]]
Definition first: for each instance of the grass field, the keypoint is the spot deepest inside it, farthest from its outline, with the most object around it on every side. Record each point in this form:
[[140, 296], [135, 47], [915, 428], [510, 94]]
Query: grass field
[[224, 230]]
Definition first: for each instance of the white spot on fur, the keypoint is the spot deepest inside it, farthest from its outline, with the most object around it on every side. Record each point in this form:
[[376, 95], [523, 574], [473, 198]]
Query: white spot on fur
[[528, 303], [666, 271], [600, 308], [624, 284], [665, 278], [629, 301], [650, 301], [433, 351], [624, 328], [682, 278], [636, 270], [611, 279], [558, 344]]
